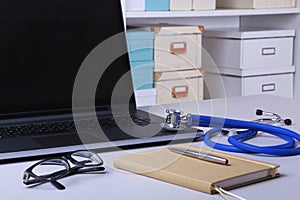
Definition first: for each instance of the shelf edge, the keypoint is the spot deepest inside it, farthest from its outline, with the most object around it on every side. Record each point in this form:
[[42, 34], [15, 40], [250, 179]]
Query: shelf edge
[[211, 13]]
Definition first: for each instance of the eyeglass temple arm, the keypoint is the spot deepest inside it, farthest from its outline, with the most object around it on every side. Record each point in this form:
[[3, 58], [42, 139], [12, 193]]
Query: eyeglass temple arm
[[58, 185], [93, 169], [54, 182], [78, 170]]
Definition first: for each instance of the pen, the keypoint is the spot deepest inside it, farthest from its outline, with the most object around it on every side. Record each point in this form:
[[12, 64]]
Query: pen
[[199, 155]]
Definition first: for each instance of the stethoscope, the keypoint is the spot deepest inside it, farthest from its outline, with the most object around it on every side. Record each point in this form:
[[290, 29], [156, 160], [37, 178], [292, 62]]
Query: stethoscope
[[243, 131]]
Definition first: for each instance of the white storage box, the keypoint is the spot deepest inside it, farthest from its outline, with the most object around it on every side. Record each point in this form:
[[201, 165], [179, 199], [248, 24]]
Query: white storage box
[[276, 84], [177, 47], [178, 86], [256, 3], [275, 81], [135, 5], [204, 4], [249, 48], [181, 4], [146, 97]]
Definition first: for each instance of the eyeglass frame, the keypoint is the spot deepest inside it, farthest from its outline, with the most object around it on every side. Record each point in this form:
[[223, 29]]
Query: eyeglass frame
[[53, 177]]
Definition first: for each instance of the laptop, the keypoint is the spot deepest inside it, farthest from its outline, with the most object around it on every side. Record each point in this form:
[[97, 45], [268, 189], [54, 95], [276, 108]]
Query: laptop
[[43, 46]]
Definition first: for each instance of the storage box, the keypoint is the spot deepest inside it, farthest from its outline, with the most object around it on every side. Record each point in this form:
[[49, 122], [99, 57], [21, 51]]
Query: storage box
[[204, 4], [157, 5], [177, 47], [142, 74], [178, 86], [145, 97], [135, 5], [249, 48], [140, 45], [273, 84], [181, 4], [256, 3]]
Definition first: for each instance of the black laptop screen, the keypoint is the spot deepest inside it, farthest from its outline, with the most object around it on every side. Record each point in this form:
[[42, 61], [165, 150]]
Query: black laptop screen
[[42, 45]]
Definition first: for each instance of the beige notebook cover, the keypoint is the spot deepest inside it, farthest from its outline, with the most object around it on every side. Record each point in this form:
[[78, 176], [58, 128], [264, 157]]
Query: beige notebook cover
[[165, 165]]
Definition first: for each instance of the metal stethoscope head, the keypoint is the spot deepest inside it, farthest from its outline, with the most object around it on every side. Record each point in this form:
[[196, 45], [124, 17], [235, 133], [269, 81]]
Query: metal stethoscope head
[[176, 121]]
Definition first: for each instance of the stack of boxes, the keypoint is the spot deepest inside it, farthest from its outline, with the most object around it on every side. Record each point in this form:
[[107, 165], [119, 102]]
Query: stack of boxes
[[157, 5], [140, 47], [166, 5], [238, 4], [251, 61], [147, 5], [178, 76], [166, 64], [178, 5]]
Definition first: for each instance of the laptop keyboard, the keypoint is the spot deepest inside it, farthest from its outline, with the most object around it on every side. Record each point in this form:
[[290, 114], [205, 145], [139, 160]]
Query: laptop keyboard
[[67, 126]]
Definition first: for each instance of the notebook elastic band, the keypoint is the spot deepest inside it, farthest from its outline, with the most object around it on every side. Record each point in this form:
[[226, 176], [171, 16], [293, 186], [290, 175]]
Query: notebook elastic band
[[223, 193], [220, 192]]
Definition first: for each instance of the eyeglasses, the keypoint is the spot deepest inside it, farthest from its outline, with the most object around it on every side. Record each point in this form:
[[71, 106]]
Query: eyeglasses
[[52, 169]]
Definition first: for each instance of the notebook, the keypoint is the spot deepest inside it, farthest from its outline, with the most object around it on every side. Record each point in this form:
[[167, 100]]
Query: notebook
[[200, 175], [43, 45]]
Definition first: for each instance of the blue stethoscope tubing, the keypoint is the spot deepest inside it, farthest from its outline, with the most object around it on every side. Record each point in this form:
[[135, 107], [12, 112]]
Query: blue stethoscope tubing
[[236, 141]]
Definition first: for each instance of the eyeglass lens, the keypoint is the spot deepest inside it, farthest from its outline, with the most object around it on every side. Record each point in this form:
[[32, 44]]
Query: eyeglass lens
[[51, 167], [87, 158]]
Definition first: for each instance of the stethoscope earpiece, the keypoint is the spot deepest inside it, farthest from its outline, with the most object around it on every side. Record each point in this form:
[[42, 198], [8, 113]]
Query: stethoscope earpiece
[[273, 118], [259, 112], [288, 122]]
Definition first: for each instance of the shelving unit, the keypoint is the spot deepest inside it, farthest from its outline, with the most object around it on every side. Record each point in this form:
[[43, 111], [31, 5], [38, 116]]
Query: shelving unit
[[212, 13], [269, 18]]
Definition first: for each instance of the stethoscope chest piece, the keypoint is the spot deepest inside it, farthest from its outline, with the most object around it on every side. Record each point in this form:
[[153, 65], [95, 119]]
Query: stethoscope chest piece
[[176, 121]]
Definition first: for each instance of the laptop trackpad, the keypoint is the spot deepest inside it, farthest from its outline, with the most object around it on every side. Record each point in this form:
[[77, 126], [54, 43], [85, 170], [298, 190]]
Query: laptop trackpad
[[18, 144], [58, 140], [66, 140]]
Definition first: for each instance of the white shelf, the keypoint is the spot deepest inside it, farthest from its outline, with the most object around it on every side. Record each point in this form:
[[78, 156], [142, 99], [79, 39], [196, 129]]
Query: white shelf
[[211, 13]]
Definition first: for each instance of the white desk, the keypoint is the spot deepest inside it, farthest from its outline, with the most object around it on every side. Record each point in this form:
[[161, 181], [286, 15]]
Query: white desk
[[117, 184]]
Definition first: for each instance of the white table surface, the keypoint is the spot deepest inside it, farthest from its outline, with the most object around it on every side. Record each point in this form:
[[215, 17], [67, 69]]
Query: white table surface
[[116, 184]]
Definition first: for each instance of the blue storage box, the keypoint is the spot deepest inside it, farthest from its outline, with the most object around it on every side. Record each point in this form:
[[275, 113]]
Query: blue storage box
[[140, 45], [142, 74], [157, 5]]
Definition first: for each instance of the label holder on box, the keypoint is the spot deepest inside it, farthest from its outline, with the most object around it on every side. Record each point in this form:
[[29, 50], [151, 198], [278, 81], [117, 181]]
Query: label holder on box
[[268, 87], [180, 91], [268, 51], [178, 47]]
